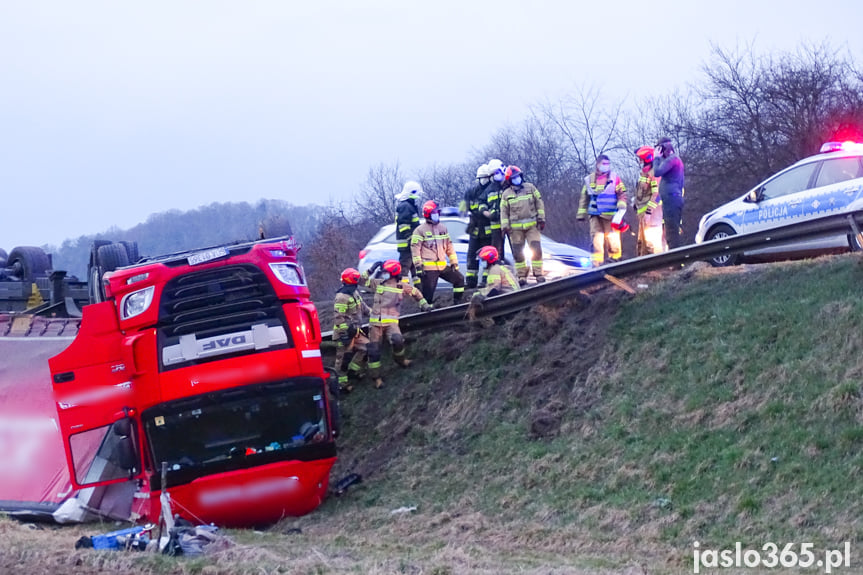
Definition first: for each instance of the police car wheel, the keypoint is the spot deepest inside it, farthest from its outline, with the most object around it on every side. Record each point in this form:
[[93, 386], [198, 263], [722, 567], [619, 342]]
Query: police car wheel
[[722, 231], [854, 243]]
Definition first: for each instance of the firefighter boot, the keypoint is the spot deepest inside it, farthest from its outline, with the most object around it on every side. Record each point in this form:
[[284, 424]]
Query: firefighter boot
[[402, 361], [379, 383]]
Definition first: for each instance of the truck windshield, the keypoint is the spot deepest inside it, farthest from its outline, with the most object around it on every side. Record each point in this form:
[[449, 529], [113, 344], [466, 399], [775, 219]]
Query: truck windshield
[[239, 428]]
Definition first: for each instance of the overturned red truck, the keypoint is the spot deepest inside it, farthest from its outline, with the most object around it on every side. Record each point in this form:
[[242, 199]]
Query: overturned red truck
[[197, 372]]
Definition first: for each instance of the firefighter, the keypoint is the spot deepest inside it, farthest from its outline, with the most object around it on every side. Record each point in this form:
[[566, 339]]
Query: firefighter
[[389, 291], [434, 255], [351, 342], [497, 171], [522, 217], [407, 219], [501, 280], [479, 225], [648, 207], [603, 198]]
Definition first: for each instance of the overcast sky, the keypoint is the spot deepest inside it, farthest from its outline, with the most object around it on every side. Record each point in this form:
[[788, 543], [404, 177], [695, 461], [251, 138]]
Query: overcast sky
[[111, 111]]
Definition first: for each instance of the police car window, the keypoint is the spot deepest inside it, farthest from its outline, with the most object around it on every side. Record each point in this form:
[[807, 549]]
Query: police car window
[[838, 170], [790, 182]]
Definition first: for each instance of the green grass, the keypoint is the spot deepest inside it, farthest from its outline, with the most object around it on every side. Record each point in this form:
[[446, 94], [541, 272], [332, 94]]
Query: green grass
[[730, 410]]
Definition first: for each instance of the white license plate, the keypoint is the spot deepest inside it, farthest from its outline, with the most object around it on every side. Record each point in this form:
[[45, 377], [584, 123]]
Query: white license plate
[[206, 256]]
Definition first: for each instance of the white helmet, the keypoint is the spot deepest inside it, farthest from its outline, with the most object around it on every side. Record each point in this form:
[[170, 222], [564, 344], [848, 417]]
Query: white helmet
[[412, 187], [494, 165], [482, 172]]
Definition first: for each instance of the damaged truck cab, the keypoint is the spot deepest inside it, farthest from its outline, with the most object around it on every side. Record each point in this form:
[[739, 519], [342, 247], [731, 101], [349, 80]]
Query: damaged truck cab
[[206, 364]]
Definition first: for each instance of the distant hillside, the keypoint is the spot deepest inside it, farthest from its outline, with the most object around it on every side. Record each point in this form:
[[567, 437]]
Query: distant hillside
[[175, 230]]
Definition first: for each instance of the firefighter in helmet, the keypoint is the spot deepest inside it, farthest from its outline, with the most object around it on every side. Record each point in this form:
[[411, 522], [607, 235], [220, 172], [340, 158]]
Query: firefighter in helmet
[[389, 291], [479, 225], [497, 172], [351, 342], [603, 198], [501, 279], [407, 219], [522, 217], [434, 255], [648, 206]]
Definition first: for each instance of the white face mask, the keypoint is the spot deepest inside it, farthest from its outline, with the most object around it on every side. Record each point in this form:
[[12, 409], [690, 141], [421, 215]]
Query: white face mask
[[385, 276], [435, 217], [603, 168], [516, 181]]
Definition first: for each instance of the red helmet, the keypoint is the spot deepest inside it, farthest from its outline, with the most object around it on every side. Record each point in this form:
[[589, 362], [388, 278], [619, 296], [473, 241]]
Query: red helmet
[[510, 172], [351, 277], [393, 267], [488, 254], [645, 153], [429, 208]]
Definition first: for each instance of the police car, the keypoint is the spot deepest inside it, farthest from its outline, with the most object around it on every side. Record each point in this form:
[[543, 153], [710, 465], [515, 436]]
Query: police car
[[827, 183]]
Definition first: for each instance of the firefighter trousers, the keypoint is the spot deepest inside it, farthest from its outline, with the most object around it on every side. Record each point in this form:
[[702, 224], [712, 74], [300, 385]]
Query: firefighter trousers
[[649, 239], [430, 278], [351, 356], [517, 241], [603, 236], [408, 268], [377, 333]]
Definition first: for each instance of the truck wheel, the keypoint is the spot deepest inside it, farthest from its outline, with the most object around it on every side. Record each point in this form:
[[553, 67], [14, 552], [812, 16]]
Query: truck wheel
[[722, 231], [112, 256], [29, 262], [131, 251]]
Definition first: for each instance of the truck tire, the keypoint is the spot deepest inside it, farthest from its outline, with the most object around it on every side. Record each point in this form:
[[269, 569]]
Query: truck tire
[[29, 262], [112, 256], [131, 251], [4, 257]]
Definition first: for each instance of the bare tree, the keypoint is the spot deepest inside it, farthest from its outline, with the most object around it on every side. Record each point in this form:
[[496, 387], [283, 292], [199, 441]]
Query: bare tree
[[376, 201]]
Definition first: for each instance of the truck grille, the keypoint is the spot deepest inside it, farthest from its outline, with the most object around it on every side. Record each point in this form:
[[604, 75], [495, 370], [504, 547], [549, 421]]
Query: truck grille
[[225, 300]]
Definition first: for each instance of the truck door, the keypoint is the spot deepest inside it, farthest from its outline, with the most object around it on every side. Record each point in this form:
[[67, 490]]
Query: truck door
[[95, 400]]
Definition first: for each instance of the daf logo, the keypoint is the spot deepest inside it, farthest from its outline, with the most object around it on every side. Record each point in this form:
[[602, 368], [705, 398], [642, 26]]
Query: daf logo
[[224, 342]]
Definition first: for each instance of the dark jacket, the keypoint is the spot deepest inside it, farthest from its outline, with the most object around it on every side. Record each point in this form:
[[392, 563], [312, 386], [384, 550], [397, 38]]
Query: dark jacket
[[670, 170], [407, 219], [476, 204], [492, 200]]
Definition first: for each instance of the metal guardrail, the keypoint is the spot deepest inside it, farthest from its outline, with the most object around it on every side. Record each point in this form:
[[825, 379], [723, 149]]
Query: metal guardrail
[[834, 224]]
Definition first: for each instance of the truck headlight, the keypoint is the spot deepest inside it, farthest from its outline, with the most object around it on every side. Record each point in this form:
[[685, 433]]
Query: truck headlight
[[288, 274], [136, 302]]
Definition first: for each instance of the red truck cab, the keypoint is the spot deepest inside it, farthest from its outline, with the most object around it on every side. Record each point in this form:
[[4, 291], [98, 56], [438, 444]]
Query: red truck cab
[[208, 364]]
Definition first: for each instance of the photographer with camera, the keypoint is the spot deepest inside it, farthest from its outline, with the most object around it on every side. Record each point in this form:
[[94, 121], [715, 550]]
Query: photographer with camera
[[668, 169]]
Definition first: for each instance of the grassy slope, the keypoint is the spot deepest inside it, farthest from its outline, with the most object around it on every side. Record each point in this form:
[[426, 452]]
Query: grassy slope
[[716, 407]]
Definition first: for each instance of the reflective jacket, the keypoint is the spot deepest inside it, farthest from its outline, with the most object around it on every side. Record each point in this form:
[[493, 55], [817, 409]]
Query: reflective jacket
[[432, 248], [501, 279], [389, 294], [647, 199], [407, 219], [602, 199], [348, 310], [521, 207], [492, 200], [479, 225]]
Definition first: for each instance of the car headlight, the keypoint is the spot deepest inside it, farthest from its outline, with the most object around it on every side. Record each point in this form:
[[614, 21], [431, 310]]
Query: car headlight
[[136, 302], [288, 274]]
